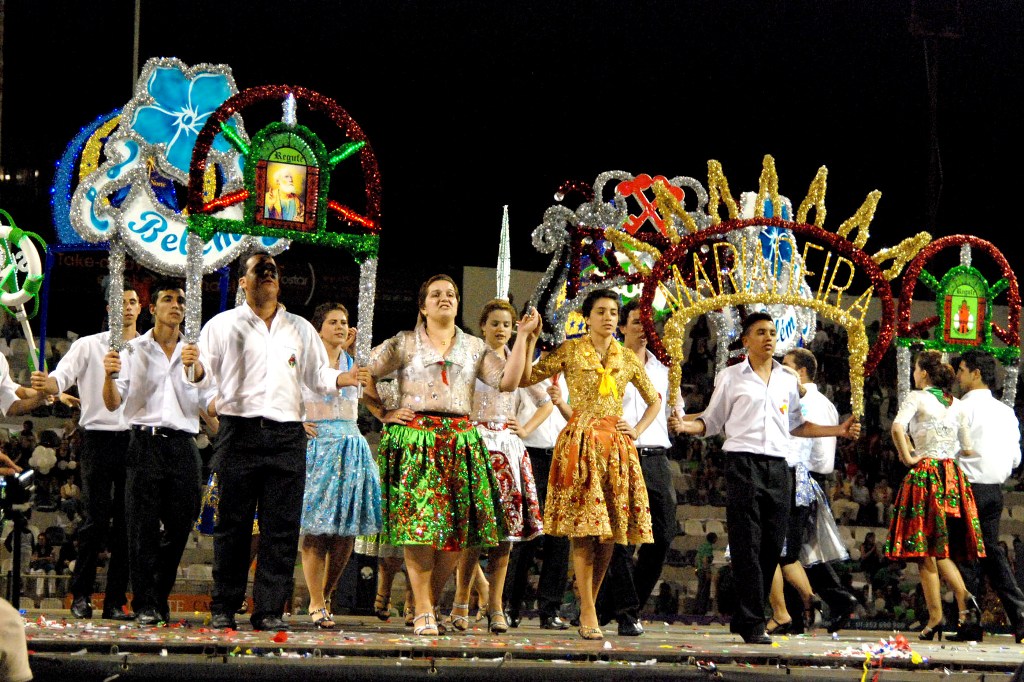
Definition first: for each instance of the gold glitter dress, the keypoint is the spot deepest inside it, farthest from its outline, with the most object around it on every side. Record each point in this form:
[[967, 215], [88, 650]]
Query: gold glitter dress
[[596, 486]]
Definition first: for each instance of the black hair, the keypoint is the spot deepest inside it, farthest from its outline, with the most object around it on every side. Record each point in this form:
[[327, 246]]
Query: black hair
[[243, 262], [753, 318], [625, 310], [594, 296], [983, 362], [164, 284]]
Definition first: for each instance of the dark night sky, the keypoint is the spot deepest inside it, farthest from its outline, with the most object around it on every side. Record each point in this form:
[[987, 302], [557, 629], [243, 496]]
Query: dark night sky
[[473, 104]]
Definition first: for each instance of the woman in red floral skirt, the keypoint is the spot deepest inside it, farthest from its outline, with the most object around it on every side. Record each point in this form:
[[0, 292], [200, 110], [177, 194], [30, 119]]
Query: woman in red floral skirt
[[935, 514]]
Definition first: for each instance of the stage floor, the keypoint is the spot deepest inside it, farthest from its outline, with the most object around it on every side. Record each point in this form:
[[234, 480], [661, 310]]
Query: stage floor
[[363, 647]]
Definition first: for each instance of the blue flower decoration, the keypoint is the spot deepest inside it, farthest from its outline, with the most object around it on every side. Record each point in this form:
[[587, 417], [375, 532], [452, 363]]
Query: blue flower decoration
[[180, 108], [772, 240]]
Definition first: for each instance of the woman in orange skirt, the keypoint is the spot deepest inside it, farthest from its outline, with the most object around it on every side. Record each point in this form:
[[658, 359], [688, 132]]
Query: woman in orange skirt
[[935, 516], [596, 491]]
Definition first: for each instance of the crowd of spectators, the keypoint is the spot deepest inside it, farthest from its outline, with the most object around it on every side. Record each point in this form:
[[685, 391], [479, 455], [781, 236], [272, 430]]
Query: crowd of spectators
[[48, 545]]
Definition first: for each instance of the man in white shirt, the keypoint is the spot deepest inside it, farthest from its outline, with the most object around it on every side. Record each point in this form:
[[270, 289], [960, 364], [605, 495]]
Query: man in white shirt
[[820, 457], [164, 473], [102, 463], [554, 550], [995, 434], [757, 404], [626, 588], [259, 355]]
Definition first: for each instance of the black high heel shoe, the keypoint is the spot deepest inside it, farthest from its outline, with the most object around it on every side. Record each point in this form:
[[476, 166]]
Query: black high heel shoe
[[840, 605], [969, 626], [779, 628], [928, 633]]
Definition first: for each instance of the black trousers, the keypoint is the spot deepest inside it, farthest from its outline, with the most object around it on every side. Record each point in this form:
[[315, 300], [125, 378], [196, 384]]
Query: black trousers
[[994, 566], [102, 465], [164, 486], [759, 495], [260, 464], [627, 586], [554, 553]]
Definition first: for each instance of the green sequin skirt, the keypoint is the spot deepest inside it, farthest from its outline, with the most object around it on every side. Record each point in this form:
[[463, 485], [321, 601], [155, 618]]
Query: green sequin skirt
[[437, 485]]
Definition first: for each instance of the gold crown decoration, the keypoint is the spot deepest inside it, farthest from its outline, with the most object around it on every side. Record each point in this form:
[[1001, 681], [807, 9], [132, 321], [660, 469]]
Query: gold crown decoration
[[742, 278]]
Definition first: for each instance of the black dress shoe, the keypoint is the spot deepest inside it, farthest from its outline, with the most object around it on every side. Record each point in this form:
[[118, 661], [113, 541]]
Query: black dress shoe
[[116, 614], [223, 621], [514, 618], [840, 605], [1018, 634], [81, 608], [148, 616], [553, 623], [630, 626], [274, 623], [759, 637]]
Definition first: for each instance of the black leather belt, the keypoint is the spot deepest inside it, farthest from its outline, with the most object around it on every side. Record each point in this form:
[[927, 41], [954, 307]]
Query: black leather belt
[[647, 452], [161, 431], [542, 452]]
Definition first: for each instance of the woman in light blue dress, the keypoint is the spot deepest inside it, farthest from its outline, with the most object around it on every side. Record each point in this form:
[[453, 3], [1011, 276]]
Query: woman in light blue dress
[[342, 496]]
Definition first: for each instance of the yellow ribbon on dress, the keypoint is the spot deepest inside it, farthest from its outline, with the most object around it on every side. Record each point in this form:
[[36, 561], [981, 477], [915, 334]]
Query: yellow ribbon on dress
[[607, 385]]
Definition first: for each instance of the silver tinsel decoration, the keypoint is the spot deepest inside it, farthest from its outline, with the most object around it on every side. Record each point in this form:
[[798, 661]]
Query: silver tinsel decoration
[[903, 373], [1010, 383], [367, 293], [193, 287], [115, 294], [965, 255], [289, 118]]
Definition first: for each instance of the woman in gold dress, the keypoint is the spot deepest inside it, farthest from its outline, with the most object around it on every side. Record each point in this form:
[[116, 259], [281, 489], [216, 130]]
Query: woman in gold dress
[[596, 493]]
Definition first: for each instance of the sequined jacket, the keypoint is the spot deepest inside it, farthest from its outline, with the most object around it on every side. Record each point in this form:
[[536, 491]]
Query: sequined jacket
[[430, 382], [581, 364]]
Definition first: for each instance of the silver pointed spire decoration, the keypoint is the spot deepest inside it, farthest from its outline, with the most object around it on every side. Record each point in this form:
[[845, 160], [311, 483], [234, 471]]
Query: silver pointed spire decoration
[[504, 271]]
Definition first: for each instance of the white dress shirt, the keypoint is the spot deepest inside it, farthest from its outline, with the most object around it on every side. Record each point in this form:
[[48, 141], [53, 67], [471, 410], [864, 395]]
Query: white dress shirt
[[83, 365], [818, 454], [545, 435], [756, 417], [995, 438], [633, 406], [258, 371], [8, 386], [154, 390]]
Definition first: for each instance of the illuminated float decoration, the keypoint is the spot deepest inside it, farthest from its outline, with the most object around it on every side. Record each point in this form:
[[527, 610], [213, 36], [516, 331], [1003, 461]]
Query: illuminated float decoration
[[584, 259], [286, 192], [964, 312], [702, 264], [21, 278], [129, 170]]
